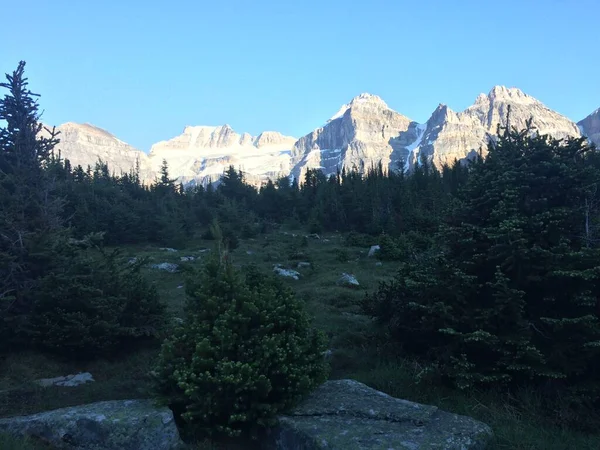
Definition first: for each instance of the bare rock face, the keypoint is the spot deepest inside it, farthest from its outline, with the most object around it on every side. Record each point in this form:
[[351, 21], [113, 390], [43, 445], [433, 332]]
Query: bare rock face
[[361, 135], [449, 135], [201, 154], [590, 127], [85, 144]]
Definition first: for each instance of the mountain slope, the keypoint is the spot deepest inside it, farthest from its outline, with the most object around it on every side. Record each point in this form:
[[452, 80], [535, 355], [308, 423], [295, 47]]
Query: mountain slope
[[449, 135], [85, 144], [361, 134], [201, 154], [590, 127]]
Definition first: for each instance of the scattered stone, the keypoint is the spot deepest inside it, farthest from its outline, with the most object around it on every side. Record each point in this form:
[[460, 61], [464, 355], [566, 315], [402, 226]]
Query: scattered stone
[[348, 415], [289, 273], [249, 252], [348, 280], [67, 381], [168, 249], [204, 250], [187, 258], [314, 236], [180, 286], [169, 267], [132, 260], [326, 240], [304, 265], [178, 320], [379, 263], [110, 425], [374, 249]]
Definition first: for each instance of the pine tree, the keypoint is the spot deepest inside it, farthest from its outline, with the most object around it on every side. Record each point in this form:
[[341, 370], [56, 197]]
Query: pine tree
[[30, 216], [512, 294]]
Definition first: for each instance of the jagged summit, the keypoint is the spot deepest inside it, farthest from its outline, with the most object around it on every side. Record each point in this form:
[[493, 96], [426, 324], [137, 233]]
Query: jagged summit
[[363, 99], [504, 94]]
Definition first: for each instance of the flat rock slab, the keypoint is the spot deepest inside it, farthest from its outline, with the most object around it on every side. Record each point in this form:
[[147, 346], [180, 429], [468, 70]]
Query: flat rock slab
[[348, 415], [110, 425], [68, 380]]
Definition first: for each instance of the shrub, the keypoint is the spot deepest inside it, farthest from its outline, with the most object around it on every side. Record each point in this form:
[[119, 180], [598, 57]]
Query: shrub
[[245, 352], [88, 306], [354, 239]]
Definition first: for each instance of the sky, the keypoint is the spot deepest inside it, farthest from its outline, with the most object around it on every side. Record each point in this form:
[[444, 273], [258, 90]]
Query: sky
[[143, 70]]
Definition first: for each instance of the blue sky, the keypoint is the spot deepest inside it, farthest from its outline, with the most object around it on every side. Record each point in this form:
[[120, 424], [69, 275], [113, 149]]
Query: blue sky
[[145, 69]]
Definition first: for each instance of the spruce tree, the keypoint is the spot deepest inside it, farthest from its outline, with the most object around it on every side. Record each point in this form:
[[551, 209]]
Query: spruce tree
[[29, 214]]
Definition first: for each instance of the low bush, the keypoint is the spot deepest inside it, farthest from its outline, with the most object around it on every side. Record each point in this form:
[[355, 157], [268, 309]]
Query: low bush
[[245, 352]]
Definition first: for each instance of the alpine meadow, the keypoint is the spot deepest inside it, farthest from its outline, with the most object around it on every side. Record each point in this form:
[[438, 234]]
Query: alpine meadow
[[375, 284]]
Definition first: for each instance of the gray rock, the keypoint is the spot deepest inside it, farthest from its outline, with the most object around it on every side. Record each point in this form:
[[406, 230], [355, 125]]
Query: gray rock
[[132, 260], [166, 266], [168, 249], [289, 273], [111, 425], [590, 127], [187, 258], [314, 236], [249, 252], [348, 280], [450, 135], [304, 265], [348, 415], [374, 249], [68, 380], [379, 264]]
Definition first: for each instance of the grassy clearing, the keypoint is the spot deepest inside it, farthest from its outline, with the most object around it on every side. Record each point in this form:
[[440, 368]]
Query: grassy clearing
[[516, 422]]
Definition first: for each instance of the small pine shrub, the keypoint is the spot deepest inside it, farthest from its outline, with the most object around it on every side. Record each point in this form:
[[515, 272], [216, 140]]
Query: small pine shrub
[[245, 353], [341, 255], [354, 239], [87, 307]]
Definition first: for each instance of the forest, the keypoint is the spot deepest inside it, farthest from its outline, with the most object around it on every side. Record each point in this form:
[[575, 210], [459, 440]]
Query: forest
[[487, 299]]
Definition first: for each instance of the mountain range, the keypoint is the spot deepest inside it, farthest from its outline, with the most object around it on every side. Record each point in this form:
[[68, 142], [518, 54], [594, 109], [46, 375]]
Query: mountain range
[[363, 133]]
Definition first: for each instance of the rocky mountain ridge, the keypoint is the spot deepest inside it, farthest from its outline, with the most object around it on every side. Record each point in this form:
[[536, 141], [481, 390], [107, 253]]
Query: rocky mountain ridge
[[363, 133]]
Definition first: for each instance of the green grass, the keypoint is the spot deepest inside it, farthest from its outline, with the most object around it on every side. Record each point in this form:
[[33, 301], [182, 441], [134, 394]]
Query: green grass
[[517, 422]]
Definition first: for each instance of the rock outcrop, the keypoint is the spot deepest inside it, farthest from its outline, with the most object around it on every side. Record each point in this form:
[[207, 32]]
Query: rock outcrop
[[110, 425], [590, 127], [348, 415], [201, 154]]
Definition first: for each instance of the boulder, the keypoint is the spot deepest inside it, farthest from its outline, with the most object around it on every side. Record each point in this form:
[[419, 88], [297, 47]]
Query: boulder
[[348, 280], [166, 266], [168, 249], [303, 265], [110, 425], [374, 249], [186, 258], [68, 380], [289, 273], [348, 415]]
